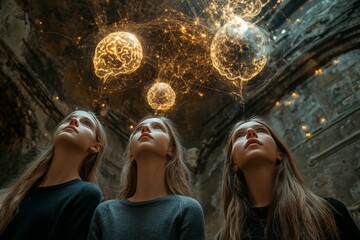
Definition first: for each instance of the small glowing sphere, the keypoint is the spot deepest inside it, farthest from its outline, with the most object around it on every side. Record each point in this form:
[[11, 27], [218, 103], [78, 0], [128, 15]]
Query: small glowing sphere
[[239, 50], [117, 53], [161, 96]]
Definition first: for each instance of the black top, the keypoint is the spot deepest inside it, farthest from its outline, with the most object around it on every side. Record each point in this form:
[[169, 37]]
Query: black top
[[62, 211], [348, 230]]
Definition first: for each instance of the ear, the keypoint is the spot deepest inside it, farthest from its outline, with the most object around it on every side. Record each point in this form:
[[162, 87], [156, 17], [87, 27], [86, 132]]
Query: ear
[[279, 156], [235, 167], [170, 152], [96, 148]]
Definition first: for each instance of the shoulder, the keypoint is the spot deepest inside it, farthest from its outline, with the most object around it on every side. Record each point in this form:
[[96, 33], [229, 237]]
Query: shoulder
[[337, 205], [109, 206], [88, 190], [189, 204], [188, 201], [347, 227]]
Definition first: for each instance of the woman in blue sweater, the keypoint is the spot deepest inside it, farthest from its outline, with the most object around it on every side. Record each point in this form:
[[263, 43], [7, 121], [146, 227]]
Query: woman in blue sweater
[[54, 197], [154, 202]]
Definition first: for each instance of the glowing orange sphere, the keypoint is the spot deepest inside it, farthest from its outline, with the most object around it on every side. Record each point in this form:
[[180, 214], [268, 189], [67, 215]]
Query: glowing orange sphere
[[117, 53], [161, 96]]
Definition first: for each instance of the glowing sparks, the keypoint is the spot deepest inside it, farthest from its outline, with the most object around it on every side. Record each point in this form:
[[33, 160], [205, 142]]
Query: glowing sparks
[[161, 96], [239, 50], [117, 53]]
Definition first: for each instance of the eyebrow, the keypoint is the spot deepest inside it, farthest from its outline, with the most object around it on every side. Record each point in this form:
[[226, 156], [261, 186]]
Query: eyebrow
[[253, 126], [82, 118], [152, 123]]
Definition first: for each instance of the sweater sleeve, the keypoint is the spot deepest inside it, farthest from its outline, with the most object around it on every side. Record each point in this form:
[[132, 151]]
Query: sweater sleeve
[[95, 230], [193, 221], [346, 225], [77, 226]]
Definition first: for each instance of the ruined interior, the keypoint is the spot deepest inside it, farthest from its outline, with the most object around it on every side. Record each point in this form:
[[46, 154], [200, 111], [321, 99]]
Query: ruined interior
[[309, 88]]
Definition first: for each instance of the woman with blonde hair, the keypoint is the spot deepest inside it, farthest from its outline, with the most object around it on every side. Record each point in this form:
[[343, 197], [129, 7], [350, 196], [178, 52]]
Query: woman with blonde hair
[[54, 197], [264, 196], [154, 202]]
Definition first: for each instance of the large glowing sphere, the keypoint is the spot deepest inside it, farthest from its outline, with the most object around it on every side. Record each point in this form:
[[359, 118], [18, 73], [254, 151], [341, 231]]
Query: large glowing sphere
[[117, 53], [161, 96], [239, 50]]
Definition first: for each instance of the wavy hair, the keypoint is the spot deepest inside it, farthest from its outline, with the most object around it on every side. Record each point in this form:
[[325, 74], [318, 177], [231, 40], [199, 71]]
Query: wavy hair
[[295, 212], [177, 175], [36, 170]]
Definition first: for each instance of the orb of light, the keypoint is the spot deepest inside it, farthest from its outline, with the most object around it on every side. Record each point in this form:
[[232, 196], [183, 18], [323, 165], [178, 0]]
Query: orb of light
[[239, 50], [117, 53], [161, 96]]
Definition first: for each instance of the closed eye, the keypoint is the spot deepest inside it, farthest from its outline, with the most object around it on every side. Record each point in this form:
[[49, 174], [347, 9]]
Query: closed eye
[[158, 126], [239, 134], [87, 123], [261, 130]]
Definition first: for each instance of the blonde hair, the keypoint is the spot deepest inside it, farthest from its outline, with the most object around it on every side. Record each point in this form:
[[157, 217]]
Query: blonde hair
[[36, 170], [176, 173], [295, 211]]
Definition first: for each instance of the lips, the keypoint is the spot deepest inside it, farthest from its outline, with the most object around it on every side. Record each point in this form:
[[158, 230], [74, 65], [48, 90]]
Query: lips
[[71, 127], [145, 135], [251, 141]]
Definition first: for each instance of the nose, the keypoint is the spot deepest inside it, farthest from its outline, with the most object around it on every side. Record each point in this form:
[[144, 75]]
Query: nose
[[145, 128], [250, 132], [74, 121]]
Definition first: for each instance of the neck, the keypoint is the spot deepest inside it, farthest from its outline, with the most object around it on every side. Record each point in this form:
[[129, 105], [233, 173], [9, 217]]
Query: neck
[[259, 180], [64, 166], [150, 178]]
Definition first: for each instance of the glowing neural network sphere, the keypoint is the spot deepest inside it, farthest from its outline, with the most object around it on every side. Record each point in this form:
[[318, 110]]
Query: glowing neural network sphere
[[239, 50], [117, 53], [161, 96]]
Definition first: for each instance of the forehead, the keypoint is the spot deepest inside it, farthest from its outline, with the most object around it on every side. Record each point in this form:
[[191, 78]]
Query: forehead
[[82, 114], [151, 121], [250, 124]]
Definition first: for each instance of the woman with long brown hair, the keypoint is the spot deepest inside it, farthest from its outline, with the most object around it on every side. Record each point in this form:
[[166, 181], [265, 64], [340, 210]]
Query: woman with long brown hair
[[54, 198], [264, 196], [153, 202]]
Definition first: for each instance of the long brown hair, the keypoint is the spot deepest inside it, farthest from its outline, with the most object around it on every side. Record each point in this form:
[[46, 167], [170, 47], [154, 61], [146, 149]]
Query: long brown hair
[[295, 212], [176, 173], [36, 170]]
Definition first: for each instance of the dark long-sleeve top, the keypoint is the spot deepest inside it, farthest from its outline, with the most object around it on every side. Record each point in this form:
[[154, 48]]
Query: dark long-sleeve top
[[348, 230], [61, 211]]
